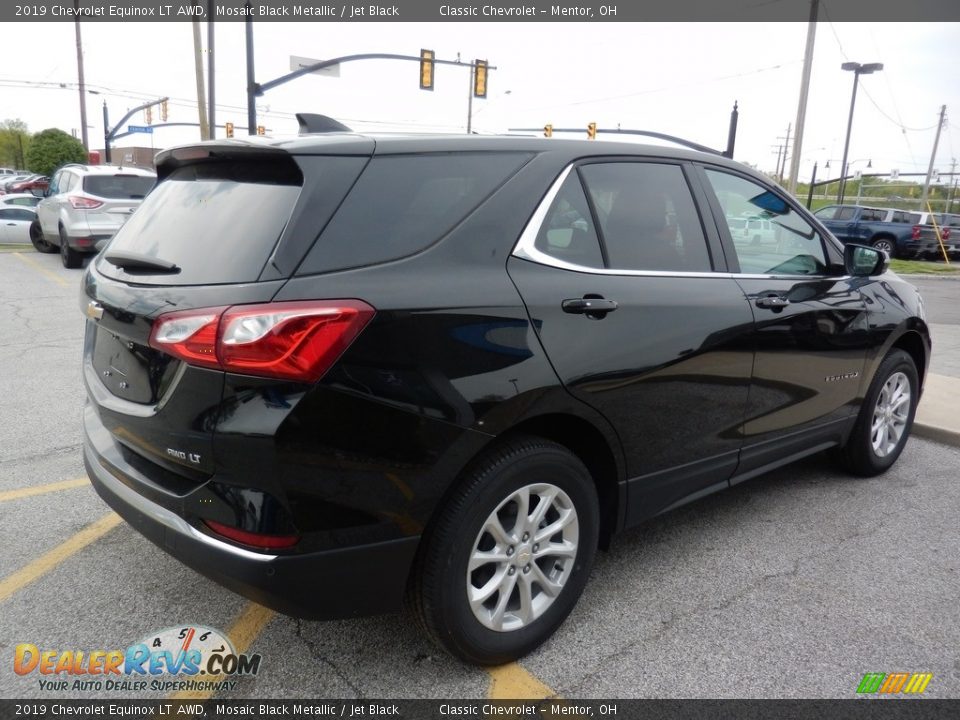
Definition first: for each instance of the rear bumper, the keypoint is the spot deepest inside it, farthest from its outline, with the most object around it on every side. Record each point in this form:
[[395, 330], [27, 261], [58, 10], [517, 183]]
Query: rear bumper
[[345, 582]]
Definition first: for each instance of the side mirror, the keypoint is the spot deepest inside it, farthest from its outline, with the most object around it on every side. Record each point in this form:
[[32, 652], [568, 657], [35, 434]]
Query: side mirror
[[864, 261]]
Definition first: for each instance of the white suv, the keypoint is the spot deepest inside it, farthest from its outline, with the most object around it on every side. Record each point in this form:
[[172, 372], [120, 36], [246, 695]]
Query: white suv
[[87, 204]]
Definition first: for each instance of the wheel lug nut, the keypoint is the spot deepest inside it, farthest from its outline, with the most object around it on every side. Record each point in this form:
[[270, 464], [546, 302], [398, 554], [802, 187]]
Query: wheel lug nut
[[526, 536], [536, 547], [509, 551], [512, 570], [526, 568]]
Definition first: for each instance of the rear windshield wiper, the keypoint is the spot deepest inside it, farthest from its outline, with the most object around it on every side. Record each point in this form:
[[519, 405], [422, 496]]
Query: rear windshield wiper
[[136, 261]]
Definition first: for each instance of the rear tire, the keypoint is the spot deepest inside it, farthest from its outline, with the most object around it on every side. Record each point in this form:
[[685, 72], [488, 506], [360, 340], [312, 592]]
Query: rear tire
[[886, 417], [886, 245], [487, 587], [68, 256], [36, 237]]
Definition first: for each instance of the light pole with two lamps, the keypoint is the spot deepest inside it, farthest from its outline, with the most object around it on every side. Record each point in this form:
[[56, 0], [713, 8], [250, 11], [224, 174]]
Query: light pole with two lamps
[[857, 69]]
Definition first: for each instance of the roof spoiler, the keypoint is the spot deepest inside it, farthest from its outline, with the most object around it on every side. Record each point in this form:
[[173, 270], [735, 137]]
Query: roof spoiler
[[313, 123]]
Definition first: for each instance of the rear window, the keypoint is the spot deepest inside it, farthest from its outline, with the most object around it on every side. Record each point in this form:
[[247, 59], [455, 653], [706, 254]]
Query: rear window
[[118, 187], [402, 204], [217, 221]]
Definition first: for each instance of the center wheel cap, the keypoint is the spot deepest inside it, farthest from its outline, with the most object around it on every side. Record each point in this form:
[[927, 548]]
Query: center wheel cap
[[523, 557]]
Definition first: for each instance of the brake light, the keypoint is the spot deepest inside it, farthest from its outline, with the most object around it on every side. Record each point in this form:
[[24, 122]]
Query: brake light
[[84, 203], [257, 540], [289, 340], [916, 233]]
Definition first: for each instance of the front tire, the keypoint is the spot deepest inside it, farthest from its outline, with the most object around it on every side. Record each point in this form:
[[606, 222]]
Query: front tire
[[886, 417], [508, 554]]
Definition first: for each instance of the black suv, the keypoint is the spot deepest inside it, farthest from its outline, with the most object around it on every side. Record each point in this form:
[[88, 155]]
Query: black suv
[[336, 371]]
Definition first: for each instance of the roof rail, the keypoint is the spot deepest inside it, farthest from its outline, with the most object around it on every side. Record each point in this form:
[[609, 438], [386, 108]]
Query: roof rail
[[313, 123], [648, 133]]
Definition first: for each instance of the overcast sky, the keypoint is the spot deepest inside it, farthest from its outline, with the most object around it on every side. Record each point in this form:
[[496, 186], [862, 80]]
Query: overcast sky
[[680, 79]]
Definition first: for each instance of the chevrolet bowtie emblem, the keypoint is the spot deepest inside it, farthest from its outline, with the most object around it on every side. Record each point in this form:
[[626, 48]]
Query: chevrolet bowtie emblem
[[94, 310]]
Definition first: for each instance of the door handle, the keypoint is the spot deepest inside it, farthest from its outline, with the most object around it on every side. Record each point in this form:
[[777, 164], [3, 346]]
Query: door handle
[[774, 302], [595, 307]]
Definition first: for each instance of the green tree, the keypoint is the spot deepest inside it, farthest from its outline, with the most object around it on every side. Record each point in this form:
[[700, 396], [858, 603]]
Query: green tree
[[14, 142], [51, 148]]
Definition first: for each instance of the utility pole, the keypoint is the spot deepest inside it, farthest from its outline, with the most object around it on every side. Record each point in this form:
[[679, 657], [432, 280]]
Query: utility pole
[[80, 82], [933, 157], [776, 170], [782, 167], [804, 90], [473, 69], [251, 77], [211, 81], [953, 188], [198, 71]]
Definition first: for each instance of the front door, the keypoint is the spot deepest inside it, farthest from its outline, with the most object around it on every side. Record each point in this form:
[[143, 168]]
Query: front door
[[811, 326]]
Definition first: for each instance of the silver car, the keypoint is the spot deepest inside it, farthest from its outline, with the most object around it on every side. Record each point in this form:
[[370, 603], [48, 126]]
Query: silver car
[[86, 204]]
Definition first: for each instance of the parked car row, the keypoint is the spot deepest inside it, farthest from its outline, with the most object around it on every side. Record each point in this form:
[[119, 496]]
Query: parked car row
[[84, 206], [22, 183], [899, 233]]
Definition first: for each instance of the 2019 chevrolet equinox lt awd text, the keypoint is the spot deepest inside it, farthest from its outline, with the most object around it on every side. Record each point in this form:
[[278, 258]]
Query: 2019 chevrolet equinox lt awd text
[[337, 371]]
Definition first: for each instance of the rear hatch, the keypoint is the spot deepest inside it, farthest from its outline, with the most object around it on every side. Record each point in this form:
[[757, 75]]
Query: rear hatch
[[113, 198], [219, 230]]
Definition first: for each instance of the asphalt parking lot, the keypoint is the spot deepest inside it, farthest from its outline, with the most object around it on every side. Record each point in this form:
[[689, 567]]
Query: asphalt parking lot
[[791, 585]]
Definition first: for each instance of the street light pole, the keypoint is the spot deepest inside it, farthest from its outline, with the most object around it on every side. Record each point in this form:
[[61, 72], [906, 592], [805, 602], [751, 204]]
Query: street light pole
[[857, 70]]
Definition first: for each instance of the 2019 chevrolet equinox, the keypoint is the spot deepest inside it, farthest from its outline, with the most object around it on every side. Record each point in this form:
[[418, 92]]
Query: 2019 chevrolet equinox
[[338, 371]]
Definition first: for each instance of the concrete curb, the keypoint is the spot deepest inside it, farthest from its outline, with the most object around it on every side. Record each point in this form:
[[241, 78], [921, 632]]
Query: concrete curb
[[937, 433], [938, 417]]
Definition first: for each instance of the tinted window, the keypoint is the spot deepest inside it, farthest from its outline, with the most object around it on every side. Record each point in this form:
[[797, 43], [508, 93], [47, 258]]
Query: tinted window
[[791, 247], [913, 218], [846, 213], [26, 201], [871, 215], [218, 221], [827, 213], [567, 232], [17, 214], [127, 187], [647, 217], [402, 204]]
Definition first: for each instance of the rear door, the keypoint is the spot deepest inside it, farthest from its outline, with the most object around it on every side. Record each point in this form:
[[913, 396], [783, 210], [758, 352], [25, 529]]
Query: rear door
[[119, 194], [617, 273], [811, 325]]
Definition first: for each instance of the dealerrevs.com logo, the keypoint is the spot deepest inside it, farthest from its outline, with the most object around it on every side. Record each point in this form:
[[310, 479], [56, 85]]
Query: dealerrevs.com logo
[[200, 658]]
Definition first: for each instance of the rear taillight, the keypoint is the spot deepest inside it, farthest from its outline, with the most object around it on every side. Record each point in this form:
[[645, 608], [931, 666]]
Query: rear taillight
[[84, 203], [257, 540], [290, 340], [915, 235]]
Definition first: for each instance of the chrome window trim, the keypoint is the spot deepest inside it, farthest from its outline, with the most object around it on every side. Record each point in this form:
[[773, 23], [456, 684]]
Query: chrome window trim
[[526, 249]]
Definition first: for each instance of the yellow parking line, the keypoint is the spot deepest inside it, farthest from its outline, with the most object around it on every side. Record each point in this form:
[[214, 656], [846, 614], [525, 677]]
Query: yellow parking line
[[242, 634], [42, 489], [37, 266], [48, 561], [512, 682]]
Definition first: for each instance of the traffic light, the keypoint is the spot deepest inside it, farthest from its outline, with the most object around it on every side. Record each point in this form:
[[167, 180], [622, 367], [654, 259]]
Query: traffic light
[[261, 130], [229, 129], [480, 78], [592, 131], [148, 114], [426, 69], [163, 111], [548, 130]]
